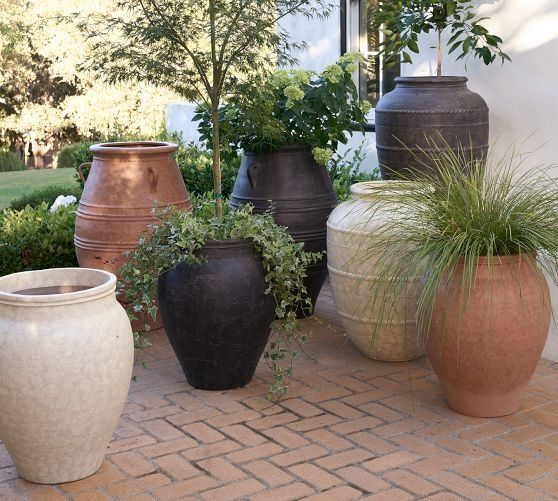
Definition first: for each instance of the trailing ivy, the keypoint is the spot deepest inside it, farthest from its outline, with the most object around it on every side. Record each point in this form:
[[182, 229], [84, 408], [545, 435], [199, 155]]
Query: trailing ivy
[[180, 236]]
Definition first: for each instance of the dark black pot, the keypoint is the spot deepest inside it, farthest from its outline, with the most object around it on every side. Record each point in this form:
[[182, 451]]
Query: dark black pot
[[217, 315], [302, 195], [427, 107]]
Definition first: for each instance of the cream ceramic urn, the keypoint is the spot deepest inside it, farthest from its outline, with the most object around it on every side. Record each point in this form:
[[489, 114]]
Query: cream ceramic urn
[[66, 357], [351, 230]]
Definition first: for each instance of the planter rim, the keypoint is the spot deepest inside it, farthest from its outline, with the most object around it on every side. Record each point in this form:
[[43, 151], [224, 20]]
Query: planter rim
[[233, 242], [504, 259], [444, 81], [134, 148], [99, 284], [374, 189], [285, 147], [220, 244]]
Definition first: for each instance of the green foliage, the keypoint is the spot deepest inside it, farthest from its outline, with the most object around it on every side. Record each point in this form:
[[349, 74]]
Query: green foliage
[[65, 156], [403, 21], [457, 213], [35, 238], [196, 168], [46, 195], [344, 171], [179, 238], [294, 106], [9, 162], [81, 155]]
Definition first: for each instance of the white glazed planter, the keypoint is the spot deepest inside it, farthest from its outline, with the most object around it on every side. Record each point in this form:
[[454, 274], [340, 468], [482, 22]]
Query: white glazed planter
[[351, 228], [65, 366]]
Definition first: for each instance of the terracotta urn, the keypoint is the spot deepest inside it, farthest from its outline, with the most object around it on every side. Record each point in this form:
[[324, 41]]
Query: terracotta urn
[[484, 348], [66, 357], [125, 182], [351, 230]]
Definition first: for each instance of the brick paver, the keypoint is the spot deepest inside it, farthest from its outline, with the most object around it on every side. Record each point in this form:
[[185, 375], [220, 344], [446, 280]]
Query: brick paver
[[350, 428]]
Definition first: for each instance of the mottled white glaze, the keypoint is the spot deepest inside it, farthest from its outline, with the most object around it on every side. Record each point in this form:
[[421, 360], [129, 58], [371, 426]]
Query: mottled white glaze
[[351, 228], [65, 367]]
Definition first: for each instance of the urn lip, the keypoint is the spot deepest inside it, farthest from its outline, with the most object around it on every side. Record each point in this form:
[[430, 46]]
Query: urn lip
[[444, 81], [133, 148], [383, 188], [88, 284]]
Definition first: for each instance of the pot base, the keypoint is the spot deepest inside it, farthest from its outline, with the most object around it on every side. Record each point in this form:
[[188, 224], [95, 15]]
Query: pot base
[[58, 475], [484, 405]]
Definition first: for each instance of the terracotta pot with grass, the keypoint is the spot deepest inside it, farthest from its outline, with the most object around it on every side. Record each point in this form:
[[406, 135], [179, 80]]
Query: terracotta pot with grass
[[480, 239], [485, 348]]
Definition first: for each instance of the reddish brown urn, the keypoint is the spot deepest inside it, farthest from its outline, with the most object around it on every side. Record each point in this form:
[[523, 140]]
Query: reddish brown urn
[[125, 181], [485, 347]]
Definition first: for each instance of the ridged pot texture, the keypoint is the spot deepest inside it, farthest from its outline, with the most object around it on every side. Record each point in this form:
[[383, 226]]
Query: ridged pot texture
[[125, 182], [351, 230], [485, 350], [420, 109], [302, 196], [217, 315], [66, 357]]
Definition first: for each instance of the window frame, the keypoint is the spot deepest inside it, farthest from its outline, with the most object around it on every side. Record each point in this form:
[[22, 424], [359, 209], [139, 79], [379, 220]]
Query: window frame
[[354, 39]]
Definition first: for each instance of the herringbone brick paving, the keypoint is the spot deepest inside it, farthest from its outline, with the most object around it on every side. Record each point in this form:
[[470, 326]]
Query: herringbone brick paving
[[349, 428]]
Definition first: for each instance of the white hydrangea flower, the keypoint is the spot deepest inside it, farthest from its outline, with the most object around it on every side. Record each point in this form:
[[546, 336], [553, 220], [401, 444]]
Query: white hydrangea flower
[[62, 201]]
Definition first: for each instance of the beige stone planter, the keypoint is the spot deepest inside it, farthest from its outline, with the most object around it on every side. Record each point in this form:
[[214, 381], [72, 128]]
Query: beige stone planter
[[351, 228], [66, 357]]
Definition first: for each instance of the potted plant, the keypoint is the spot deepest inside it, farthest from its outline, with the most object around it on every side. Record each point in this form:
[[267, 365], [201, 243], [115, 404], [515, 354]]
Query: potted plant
[[480, 241], [221, 282], [205, 52], [289, 130], [65, 370], [424, 107]]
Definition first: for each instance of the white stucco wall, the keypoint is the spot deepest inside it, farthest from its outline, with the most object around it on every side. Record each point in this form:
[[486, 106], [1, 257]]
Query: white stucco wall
[[522, 94]]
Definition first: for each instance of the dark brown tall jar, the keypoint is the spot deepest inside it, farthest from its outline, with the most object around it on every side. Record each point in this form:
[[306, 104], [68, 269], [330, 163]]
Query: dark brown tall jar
[[302, 196], [425, 109]]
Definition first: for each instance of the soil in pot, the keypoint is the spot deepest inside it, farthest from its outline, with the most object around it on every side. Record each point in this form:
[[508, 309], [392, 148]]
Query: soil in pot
[[217, 315], [302, 197], [485, 351]]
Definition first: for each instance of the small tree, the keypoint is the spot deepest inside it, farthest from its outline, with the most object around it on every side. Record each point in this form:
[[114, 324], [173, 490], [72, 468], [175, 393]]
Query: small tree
[[204, 50], [38, 126], [403, 21]]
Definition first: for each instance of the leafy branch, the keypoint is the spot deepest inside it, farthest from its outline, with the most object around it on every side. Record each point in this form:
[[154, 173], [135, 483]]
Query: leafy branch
[[403, 21]]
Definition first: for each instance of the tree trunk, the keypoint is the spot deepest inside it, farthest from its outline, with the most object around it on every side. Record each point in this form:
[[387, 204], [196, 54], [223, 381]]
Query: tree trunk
[[439, 67], [39, 153], [217, 192]]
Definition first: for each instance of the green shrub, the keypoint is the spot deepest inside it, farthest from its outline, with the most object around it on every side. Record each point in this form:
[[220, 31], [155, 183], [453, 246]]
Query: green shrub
[[47, 195], [344, 171], [81, 155], [35, 238], [195, 166], [9, 162], [66, 156]]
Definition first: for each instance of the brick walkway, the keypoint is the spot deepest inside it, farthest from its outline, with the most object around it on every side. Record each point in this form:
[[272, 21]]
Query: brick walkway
[[350, 428]]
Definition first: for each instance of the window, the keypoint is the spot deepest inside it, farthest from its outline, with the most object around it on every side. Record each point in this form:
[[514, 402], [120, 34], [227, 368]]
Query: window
[[374, 80]]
